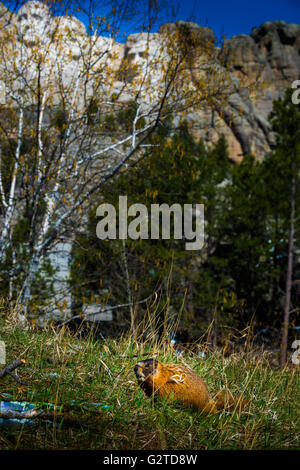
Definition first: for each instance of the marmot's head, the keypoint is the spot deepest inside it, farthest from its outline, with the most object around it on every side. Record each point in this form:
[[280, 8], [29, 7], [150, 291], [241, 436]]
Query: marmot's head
[[147, 369]]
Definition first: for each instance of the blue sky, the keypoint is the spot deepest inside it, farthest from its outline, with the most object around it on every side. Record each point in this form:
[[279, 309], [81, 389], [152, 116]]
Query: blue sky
[[231, 17]]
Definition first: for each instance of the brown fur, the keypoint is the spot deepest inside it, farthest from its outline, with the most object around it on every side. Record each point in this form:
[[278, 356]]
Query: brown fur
[[179, 382]]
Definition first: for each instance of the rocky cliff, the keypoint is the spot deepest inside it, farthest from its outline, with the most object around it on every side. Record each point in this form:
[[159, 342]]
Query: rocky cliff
[[271, 52], [269, 57]]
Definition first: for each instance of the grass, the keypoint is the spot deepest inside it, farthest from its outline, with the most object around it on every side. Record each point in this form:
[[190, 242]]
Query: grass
[[74, 373]]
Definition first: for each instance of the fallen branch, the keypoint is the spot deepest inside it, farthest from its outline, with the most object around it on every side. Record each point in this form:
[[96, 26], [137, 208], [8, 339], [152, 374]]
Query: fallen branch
[[8, 371], [85, 317], [9, 414], [39, 417]]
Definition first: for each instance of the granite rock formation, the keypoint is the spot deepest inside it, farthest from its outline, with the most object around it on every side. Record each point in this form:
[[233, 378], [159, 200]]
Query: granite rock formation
[[269, 58]]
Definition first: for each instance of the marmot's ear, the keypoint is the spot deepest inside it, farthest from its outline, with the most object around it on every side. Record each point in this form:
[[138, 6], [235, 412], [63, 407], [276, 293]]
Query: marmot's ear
[[177, 378]]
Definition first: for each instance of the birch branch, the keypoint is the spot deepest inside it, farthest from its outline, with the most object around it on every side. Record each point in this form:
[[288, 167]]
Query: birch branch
[[110, 308], [79, 203], [10, 203], [117, 144], [3, 198]]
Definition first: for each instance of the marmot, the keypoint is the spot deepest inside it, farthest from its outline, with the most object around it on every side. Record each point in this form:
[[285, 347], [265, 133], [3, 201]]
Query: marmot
[[180, 383]]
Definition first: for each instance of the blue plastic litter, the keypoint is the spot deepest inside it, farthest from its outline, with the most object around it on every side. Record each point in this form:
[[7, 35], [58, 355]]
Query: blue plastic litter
[[51, 374], [101, 405], [24, 407], [19, 406], [16, 407]]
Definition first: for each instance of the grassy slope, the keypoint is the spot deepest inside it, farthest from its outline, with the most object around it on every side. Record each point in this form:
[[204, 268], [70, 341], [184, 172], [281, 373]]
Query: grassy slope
[[92, 371]]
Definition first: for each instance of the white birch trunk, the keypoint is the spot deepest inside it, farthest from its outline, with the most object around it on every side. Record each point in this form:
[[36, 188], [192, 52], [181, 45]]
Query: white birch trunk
[[4, 239]]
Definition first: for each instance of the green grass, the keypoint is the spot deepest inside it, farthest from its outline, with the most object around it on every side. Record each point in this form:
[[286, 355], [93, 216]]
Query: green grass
[[92, 371]]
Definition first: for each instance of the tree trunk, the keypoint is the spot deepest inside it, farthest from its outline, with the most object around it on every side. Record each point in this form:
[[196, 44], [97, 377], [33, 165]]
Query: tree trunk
[[25, 294], [10, 205], [287, 304], [129, 294]]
